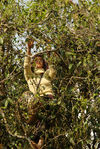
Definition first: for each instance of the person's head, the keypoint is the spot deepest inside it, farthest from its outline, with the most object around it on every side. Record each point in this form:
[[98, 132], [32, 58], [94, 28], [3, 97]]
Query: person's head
[[40, 62]]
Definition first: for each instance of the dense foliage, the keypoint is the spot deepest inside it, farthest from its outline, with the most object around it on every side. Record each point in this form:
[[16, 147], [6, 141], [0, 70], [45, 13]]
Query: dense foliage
[[73, 30]]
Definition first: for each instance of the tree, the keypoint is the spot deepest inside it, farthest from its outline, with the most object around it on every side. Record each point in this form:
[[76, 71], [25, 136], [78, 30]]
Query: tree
[[70, 32]]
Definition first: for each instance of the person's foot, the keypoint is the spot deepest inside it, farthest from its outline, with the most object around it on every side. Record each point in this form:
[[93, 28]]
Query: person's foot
[[40, 142]]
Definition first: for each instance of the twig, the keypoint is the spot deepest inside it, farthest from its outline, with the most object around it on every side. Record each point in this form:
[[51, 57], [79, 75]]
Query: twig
[[46, 19], [8, 76], [53, 139], [62, 59], [75, 77]]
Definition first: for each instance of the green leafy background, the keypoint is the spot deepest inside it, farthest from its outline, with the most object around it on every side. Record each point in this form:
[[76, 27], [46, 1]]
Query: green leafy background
[[73, 118]]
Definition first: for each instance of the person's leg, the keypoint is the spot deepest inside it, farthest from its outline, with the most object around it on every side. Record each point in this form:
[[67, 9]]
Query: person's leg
[[32, 113], [40, 142]]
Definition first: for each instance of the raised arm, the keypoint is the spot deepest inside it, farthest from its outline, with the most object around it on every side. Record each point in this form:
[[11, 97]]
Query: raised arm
[[27, 61]]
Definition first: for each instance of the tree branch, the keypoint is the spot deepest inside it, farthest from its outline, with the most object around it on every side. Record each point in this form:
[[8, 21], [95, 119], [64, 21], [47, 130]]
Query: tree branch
[[42, 53], [31, 143]]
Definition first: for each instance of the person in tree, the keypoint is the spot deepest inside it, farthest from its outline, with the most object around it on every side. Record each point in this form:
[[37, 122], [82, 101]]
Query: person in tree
[[39, 80]]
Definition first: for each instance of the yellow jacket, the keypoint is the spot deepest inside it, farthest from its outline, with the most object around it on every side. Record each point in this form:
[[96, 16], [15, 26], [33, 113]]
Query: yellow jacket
[[33, 79]]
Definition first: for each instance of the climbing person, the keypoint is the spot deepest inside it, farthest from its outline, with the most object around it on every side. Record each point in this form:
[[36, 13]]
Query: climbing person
[[39, 79]]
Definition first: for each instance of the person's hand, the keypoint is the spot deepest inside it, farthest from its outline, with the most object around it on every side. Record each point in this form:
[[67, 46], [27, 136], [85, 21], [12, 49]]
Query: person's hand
[[29, 46], [30, 43]]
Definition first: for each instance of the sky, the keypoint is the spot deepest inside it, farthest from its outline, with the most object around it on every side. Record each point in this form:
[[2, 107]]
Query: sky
[[76, 1]]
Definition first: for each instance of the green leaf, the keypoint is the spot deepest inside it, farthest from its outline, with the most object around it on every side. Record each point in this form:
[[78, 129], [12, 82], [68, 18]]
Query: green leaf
[[1, 40], [70, 66]]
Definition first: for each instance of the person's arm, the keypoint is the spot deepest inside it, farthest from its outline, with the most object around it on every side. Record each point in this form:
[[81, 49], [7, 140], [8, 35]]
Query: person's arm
[[51, 72], [27, 61]]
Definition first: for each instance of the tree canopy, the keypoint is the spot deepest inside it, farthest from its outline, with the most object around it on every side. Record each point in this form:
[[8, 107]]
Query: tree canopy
[[70, 32]]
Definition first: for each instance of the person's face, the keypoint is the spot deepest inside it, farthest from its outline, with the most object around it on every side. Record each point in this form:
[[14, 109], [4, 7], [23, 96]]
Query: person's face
[[39, 62]]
